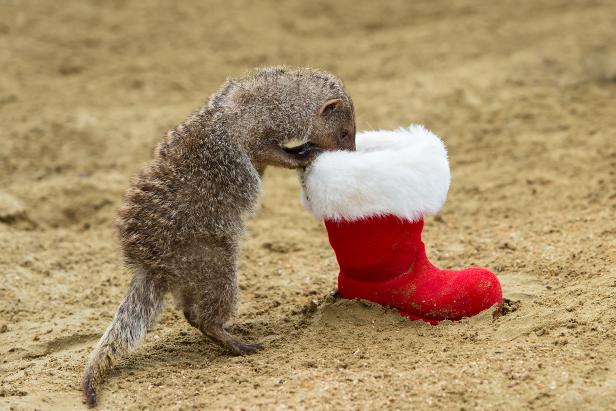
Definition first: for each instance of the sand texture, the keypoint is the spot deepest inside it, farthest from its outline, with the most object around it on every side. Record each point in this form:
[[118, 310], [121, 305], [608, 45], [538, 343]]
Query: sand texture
[[522, 92]]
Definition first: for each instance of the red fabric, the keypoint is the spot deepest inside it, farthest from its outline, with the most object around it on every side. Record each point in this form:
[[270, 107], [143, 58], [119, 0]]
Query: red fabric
[[382, 259]]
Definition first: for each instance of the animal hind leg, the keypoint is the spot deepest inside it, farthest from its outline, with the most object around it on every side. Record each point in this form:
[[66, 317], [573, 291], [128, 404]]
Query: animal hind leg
[[213, 308], [212, 298]]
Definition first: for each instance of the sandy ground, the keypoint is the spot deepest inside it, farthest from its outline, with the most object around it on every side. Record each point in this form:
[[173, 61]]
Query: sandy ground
[[524, 94]]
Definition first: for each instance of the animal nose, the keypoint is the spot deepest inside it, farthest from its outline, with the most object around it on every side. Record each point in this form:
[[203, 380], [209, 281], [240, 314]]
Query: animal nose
[[346, 140], [351, 145]]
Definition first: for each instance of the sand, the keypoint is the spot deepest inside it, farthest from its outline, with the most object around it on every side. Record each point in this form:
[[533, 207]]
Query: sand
[[523, 93]]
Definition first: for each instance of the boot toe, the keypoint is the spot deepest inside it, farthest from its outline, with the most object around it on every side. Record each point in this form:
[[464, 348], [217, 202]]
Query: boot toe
[[479, 290], [454, 295]]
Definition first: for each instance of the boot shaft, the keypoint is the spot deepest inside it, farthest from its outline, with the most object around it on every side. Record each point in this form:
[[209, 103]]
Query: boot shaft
[[375, 249]]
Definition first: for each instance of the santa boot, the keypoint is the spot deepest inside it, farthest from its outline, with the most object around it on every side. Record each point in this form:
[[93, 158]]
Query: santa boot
[[373, 202]]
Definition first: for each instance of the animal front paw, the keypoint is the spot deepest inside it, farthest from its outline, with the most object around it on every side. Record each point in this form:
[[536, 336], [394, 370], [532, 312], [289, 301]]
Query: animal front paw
[[305, 153]]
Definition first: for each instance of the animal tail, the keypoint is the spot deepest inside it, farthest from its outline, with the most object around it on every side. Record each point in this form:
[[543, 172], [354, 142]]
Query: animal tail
[[135, 315]]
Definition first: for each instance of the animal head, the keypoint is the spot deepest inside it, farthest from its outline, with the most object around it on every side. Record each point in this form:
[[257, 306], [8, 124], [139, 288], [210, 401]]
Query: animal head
[[333, 127], [275, 105]]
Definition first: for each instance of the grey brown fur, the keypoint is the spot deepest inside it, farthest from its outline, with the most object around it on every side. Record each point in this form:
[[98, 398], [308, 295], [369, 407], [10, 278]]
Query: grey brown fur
[[181, 221]]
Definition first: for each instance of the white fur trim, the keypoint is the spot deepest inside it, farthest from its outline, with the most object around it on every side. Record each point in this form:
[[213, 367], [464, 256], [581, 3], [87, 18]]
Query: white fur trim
[[403, 172]]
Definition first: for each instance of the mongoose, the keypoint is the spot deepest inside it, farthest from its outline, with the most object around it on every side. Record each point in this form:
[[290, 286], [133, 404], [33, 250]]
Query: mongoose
[[181, 220]]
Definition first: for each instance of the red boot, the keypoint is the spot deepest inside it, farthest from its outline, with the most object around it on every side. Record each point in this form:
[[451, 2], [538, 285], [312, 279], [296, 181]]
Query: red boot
[[373, 202]]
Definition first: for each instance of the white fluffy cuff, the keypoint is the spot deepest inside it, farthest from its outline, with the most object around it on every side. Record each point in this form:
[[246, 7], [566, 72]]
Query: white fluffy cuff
[[404, 172]]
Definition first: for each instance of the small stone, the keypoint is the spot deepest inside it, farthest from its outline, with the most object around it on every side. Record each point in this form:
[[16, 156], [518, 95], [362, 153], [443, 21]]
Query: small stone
[[10, 208]]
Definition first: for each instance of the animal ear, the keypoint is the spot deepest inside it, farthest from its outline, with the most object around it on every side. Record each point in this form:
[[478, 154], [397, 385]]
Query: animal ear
[[330, 105]]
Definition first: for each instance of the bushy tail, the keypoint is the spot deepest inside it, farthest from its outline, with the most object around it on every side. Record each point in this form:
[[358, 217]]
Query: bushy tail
[[134, 316]]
